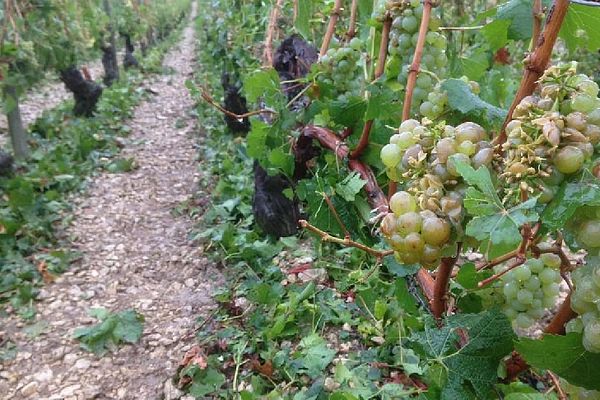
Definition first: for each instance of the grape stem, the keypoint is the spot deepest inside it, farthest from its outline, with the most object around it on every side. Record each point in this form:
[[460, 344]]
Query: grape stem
[[416, 64], [385, 37], [210, 100], [536, 63], [347, 242], [442, 279], [335, 15], [268, 52], [353, 14]]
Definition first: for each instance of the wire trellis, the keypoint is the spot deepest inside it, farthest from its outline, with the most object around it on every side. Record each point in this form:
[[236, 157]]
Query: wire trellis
[[592, 3]]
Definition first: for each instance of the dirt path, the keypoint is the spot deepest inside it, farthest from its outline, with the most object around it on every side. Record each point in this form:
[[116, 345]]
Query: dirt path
[[135, 255]]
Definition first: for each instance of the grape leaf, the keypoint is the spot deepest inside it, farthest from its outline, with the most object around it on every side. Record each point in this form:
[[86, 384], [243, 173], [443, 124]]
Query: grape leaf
[[569, 198], [565, 356], [126, 326], [476, 65], [350, 186], [496, 33], [580, 20], [257, 138], [315, 356], [468, 277], [262, 83], [461, 99], [472, 367], [518, 12], [305, 12], [497, 228], [383, 102], [347, 112]]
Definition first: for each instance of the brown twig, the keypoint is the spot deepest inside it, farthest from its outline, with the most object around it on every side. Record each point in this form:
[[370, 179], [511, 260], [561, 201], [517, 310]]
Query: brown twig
[[353, 14], [498, 260], [416, 64], [519, 260], [336, 215], [268, 52], [385, 37], [536, 63], [335, 15], [326, 237], [208, 98], [556, 383]]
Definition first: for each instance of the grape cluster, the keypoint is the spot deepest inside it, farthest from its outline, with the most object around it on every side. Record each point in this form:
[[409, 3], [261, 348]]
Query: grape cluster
[[424, 158], [437, 100], [553, 133], [530, 289], [417, 236], [401, 48], [584, 301], [340, 70]]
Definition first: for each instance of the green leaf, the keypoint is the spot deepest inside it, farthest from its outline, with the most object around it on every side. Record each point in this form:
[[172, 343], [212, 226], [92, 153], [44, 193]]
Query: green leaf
[[472, 367], [476, 65], [526, 396], [315, 356], [207, 382], [518, 12], [565, 356], [497, 228], [347, 112], [461, 99], [468, 277], [126, 326], [282, 160], [496, 33], [262, 83], [305, 12], [581, 23], [398, 269], [569, 198], [257, 139], [383, 102], [350, 186]]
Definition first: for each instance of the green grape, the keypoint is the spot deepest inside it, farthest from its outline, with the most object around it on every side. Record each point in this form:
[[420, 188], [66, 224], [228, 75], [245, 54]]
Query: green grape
[[591, 336], [445, 148], [523, 320], [435, 231], [569, 159], [390, 155], [548, 276], [510, 289], [584, 103], [536, 265], [589, 233], [525, 296], [470, 131], [551, 290], [467, 147], [414, 243], [409, 222], [409, 125], [410, 24], [454, 160], [533, 283], [402, 202]]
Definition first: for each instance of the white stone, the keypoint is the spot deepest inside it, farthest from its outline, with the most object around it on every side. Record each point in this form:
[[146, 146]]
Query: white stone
[[30, 389]]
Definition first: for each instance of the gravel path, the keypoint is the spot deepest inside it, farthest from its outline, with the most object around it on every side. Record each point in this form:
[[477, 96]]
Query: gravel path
[[135, 255]]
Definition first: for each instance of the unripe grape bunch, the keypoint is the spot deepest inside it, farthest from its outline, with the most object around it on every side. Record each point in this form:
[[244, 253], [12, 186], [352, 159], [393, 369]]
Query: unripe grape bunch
[[340, 70], [530, 289], [423, 159], [585, 301], [553, 133], [406, 19]]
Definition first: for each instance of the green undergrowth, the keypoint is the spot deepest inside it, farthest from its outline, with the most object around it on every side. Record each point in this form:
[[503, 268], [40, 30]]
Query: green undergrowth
[[34, 205]]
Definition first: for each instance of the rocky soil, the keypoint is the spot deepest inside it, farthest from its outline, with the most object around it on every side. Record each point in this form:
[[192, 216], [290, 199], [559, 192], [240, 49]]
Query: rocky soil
[[135, 254]]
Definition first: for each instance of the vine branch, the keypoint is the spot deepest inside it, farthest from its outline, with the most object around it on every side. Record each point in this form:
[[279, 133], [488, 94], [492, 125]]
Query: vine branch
[[416, 63], [442, 279], [383, 48], [353, 14], [210, 100], [268, 53], [335, 15]]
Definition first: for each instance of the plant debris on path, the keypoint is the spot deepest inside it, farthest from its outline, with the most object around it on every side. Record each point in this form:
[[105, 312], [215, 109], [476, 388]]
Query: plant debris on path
[[135, 255]]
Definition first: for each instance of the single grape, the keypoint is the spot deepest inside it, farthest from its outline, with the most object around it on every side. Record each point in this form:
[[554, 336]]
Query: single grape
[[524, 296], [435, 231], [522, 273], [402, 202], [390, 155], [569, 159], [414, 243], [523, 321], [409, 222], [510, 290], [584, 103], [589, 233]]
